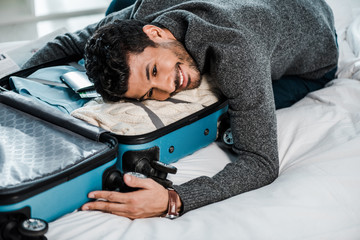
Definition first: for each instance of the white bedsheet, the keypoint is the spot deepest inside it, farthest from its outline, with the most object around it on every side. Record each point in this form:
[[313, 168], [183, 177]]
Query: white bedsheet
[[316, 196]]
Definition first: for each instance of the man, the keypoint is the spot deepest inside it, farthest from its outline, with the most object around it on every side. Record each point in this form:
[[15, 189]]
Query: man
[[246, 46]]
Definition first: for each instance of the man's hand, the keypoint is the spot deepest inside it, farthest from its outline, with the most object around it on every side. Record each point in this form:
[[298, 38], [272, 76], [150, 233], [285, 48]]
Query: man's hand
[[150, 200]]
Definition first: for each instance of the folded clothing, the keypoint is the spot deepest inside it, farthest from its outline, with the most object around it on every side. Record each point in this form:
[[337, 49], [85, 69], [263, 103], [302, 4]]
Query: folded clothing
[[128, 117], [63, 99]]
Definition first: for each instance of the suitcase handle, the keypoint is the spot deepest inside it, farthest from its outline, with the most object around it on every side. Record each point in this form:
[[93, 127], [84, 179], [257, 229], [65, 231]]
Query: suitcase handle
[[146, 161]]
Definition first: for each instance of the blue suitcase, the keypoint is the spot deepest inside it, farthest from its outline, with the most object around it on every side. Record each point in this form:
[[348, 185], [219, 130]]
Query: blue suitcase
[[49, 162], [152, 153]]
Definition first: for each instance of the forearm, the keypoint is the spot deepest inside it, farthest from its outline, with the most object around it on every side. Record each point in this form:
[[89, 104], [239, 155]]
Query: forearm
[[246, 174], [64, 45]]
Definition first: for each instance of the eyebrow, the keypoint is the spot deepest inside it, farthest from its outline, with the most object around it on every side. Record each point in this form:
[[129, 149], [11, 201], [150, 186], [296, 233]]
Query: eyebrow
[[147, 72], [148, 78]]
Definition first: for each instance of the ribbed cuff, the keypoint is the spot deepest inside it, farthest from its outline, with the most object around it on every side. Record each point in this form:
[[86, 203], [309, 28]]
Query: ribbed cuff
[[199, 192]]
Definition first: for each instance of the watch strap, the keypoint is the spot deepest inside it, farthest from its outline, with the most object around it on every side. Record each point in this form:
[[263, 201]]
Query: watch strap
[[172, 212]]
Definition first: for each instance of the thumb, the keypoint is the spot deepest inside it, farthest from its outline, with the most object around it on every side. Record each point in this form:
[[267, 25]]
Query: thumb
[[135, 182]]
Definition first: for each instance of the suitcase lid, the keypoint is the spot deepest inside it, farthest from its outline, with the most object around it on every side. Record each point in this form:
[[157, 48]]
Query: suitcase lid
[[36, 154]]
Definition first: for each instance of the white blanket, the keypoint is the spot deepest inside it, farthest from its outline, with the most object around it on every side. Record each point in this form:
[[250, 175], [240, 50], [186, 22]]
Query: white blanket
[[316, 196]]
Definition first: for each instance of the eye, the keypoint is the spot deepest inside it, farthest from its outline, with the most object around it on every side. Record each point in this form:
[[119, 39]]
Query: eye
[[150, 93], [154, 71]]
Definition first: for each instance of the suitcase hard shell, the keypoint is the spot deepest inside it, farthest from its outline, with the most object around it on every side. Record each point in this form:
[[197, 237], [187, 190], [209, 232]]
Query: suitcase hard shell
[[49, 162], [151, 153], [144, 153]]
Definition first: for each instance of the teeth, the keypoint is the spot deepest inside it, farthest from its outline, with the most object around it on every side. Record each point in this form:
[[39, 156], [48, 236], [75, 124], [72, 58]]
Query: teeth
[[181, 78]]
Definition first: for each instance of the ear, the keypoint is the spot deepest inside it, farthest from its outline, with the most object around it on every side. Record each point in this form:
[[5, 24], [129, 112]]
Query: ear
[[157, 33]]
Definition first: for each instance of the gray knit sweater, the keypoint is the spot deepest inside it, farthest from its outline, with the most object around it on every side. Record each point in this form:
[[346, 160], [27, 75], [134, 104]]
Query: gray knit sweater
[[244, 45]]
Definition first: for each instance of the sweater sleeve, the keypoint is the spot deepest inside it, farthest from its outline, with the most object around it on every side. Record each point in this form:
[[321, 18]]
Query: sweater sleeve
[[247, 84], [72, 43]]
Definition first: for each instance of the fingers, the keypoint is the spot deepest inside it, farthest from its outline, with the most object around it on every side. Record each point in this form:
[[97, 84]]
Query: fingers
[[132, 205], [110, 202], [110, 196], [151, 200], [124, 198], [108, 207], [115, 208]]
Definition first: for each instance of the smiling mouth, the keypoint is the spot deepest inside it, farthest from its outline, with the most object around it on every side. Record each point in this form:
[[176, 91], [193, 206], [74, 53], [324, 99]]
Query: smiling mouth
[[182, 83], [181, 77]]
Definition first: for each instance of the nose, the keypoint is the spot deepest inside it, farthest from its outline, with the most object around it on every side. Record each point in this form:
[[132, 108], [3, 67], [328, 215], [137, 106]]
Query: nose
[[165, 84]]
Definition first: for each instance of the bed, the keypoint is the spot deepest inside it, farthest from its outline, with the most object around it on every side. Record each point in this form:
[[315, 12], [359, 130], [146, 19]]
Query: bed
[[317, 193]]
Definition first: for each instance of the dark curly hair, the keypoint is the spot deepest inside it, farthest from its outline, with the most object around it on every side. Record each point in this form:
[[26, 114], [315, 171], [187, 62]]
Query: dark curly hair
[[106, 56]]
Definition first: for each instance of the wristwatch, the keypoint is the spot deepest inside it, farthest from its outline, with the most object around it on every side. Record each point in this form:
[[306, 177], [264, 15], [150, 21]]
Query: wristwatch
[[172, 212]]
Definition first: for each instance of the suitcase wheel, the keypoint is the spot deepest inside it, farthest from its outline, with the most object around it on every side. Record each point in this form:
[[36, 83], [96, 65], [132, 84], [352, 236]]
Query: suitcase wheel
[[227, 137], [224, 131], [113, 181], [33, 227], [25, 229]]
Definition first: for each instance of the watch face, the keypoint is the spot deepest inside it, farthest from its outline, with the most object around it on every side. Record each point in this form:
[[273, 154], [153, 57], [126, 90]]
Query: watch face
[[171, 216]]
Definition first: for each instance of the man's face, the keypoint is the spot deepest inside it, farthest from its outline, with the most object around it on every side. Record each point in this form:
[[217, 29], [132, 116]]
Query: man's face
[[158, 73]]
